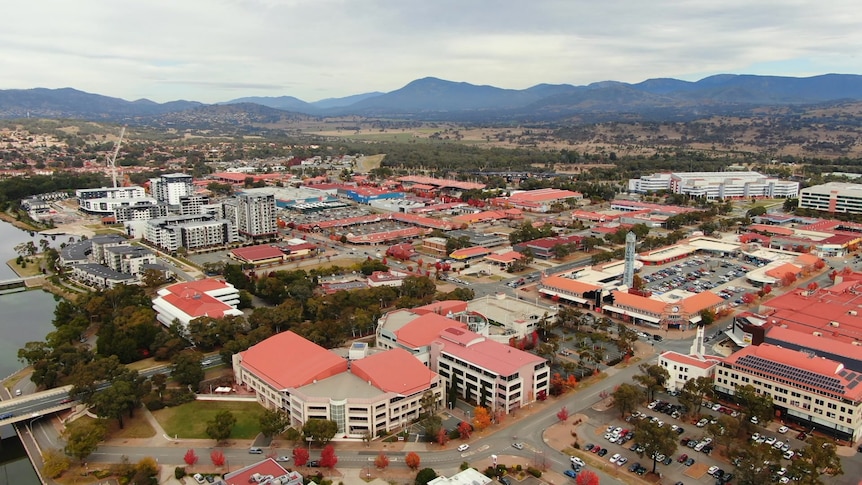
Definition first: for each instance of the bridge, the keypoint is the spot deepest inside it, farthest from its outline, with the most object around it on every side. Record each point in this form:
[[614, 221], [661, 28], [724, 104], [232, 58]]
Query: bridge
[[38, 404]]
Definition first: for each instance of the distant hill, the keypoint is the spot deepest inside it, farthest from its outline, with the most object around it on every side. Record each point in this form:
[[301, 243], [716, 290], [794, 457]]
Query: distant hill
[[431, 99]]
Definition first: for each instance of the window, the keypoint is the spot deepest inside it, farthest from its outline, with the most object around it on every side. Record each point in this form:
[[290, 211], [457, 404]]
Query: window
[[819, 402]]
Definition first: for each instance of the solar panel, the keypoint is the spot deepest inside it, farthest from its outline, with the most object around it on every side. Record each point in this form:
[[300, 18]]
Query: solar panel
[[843, 373], [852, 384], [794, 373], [850, 375]]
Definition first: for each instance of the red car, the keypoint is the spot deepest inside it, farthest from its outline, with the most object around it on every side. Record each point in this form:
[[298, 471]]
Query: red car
[[682, 458]]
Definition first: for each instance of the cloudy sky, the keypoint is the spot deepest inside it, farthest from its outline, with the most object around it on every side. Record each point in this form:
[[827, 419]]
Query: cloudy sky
[[217, 50]]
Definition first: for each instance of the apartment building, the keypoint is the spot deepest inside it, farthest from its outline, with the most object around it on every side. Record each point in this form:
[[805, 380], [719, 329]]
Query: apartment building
[[197, 231], [254, 214], [169, 188], [813, 391]]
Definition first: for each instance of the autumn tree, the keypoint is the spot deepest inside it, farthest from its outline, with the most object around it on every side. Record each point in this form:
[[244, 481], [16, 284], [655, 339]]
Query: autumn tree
[[300, 456], [217, 457], [442, 437], [563, 414], [412, 460], [627, 398], [464, 429], [788, 279], [327, 457], [587, 477], [749, 298], [381, 461], [481, 418], [190, 457]]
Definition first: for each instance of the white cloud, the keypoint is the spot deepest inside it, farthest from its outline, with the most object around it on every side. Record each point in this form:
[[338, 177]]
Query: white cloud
[[215, 50]]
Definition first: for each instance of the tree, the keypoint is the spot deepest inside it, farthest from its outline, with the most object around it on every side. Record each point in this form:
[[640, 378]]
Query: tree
[[817, 459], [300, 456], [191, 458], [84, 438], [54, 463], [424, 476], [754, 404], [563, 414], [481, 418], [412, 460], [428, 402], [587, 477], [655, 440], [653, 378], [319, 430], [707, 317], [749, 298], [221, 426], [442, 437], [788, 279], [724, 431], [695, 391], [187, 369], [327, 457], [627, 398], [273, 422], [381, 461], [753, 456], [464, 430], [217, 457]]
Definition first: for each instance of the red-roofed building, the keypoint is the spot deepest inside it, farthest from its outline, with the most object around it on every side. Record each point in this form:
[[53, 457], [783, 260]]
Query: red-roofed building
[[571, 291], [385, 278], [183, 302], [683, 313], [504, 260], [266, 468], [367, 394], [539, 200], [507, 377], [543, 248], [681, 368], [470, 254], [258, 255], [812, 391]]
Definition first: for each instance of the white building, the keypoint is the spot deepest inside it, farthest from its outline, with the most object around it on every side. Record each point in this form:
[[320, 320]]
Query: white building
[[481, 369], [833, 197], [813, 391], [716, 185], [183, 302], [681, 368], [105, 200], [192, 232], [169, 188], [254, 213]]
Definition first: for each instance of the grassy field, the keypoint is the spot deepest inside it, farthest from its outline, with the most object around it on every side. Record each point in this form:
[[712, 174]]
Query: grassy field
[[190, 420], [32, 268], [136, 427]]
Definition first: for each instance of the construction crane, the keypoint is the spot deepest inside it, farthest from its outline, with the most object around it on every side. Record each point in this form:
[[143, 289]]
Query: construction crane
[[112, 160]]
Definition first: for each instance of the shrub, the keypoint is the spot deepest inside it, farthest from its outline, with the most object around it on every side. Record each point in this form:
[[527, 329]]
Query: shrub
[[464, 465], [534, 471], [518, 468], [179, 472]]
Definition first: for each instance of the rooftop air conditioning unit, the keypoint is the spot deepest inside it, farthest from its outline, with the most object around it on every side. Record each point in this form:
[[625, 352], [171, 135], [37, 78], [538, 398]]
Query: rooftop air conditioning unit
[[834, 323], [852, 312], [818, 334], [857, 343]]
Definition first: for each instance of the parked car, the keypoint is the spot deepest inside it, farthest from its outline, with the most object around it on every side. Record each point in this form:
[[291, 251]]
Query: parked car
[[603, 452], [463, 447], [518, 446], [682, 458], [783, 429]]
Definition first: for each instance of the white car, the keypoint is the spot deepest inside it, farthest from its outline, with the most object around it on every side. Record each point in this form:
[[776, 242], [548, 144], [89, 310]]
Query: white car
[[716, 407], [199, 478], [754, 420], [518, 446], [703, 422], [770, 440], [777, 445], [463, 447], [712, 470], [755, 436], [283, 459], [782, 429], [615, 457], [622, 461], [789, 454], [578, 461], [652, 405]]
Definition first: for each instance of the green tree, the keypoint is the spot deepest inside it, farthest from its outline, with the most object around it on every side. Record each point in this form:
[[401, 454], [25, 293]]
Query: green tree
[[695, 391], [756, 211], [754, 404], [186, 368], [221, 426], [273, 422], [656, 440], [725, 430], [319, 430], [653, 378], [753, 465], [707, 317], [424, 476], [54, 463], [627, 398], [83, 438], [816, 460]]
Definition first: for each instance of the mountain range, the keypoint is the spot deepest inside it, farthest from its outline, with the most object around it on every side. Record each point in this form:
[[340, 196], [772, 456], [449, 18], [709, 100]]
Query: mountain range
[[434, 99]]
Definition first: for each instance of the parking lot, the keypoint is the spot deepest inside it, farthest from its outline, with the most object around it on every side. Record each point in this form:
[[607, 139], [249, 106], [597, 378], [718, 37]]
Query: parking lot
[[726, 277], [696, 459]]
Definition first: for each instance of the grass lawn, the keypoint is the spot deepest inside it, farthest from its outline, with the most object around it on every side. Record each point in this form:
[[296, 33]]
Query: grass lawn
[[136, 427], [190, 420], [31, 268]]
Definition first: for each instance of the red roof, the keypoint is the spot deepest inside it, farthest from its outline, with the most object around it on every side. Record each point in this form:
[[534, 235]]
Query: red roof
[[243, 476], [395, 370], [199, 286], [542, 195], [425, 329], [198, 305], [487, 354], [257, 253], [638, 302], [441, 307], [472, 252], [700, 301], [783, 231], [816, 311], [287, 360], [780, 271], [506, 257]]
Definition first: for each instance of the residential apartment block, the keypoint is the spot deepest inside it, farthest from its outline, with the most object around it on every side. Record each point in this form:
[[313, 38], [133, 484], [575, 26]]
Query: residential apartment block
[[192, 232], [169, 188]]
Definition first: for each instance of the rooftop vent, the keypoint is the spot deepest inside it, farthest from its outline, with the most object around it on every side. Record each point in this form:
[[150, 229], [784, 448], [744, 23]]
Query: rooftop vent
[[834, 323], [818, 334]]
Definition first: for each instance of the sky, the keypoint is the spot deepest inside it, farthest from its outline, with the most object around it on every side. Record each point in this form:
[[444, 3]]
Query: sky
[[218, 50]]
